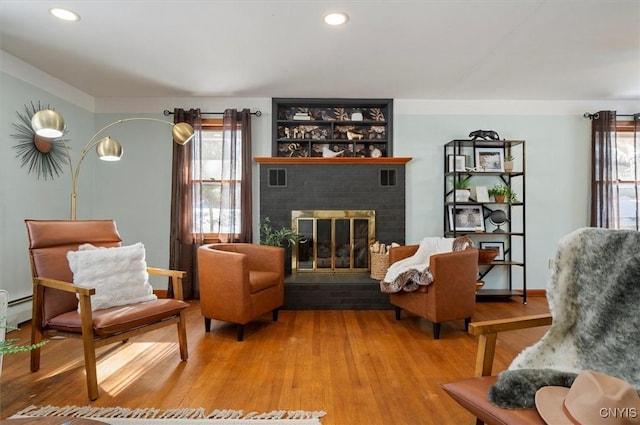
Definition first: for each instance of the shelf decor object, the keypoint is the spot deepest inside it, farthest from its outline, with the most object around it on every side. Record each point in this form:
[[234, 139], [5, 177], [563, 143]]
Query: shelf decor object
[[50, 124]]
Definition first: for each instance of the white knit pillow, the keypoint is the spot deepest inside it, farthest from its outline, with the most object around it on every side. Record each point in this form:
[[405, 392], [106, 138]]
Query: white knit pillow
[[119, 275]]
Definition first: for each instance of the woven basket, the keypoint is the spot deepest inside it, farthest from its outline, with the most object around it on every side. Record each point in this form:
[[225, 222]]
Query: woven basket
[[379, 265]]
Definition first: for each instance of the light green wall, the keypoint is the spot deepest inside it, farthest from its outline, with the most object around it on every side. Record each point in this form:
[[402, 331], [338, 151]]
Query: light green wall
[[22, 194], [557, 175]]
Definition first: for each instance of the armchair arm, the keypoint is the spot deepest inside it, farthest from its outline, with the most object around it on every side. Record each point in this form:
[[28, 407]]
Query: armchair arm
[[62, 285], [176, 279], [398, 253], [487, 332]]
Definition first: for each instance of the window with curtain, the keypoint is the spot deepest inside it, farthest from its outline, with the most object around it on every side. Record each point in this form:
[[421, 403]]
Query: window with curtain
[[209, 182], [615, 180], [211, 188]]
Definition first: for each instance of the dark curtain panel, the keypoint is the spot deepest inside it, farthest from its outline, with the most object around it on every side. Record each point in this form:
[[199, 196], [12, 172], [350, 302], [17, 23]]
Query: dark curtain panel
[[236, 177], [604, 202], [636, 160], [185, 240]]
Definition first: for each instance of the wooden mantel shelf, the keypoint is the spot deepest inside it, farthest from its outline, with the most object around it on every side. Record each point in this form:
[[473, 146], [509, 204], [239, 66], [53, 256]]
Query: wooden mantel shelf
[[337, 160]]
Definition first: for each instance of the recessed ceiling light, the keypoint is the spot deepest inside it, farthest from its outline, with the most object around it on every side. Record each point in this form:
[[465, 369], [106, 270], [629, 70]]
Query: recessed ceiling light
[[64, 14], [336, 18]]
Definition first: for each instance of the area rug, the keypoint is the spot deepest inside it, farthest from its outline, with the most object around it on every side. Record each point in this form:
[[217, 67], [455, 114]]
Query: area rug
[[150, 416]]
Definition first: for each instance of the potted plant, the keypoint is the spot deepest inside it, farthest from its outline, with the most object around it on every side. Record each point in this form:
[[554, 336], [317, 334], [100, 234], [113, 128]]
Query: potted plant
[[283, 237], [508, 163], [462, 190], [503, 193]]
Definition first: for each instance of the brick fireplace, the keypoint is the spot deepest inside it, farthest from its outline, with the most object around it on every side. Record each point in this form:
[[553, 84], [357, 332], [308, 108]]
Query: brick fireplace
[[376, 185]]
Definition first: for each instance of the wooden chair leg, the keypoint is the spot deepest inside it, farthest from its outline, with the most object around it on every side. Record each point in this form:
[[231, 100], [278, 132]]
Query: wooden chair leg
[[275, 314], [36, 325], [207, 325], [182, 337], [89, 346], [398, 312], [90, 368], [436, 331], [240, 332]]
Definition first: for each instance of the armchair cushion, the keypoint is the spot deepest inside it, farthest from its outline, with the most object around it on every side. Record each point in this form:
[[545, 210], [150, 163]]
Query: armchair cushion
[[113, 320], [472, 395], [119, 274], [259, 280]]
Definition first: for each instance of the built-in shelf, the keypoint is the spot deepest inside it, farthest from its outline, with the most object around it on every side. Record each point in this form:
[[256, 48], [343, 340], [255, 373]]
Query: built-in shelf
[[337, 160]]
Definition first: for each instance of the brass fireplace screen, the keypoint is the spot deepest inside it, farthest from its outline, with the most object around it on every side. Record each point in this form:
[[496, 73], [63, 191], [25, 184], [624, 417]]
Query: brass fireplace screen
[[333, 240]]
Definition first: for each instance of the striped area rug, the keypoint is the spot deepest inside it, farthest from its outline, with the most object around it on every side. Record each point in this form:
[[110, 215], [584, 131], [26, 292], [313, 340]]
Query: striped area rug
[[151, 416]]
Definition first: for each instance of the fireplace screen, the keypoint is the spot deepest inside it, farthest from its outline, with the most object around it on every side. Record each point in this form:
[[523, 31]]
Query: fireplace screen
[[333, 240]]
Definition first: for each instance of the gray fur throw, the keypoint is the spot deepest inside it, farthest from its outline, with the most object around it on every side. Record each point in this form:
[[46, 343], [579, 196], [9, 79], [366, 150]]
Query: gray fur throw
[[594, 299]]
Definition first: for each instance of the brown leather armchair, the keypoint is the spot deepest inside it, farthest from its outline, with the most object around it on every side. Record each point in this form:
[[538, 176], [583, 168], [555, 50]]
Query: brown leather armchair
[[56, 299], [451, 295], [240, 282]]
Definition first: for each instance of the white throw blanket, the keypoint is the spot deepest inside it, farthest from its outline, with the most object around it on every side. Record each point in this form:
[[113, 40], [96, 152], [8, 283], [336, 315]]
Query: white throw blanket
[[411, 272]]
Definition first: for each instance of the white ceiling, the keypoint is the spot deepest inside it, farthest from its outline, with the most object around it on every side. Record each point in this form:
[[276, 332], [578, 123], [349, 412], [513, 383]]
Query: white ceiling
[[431, 49]]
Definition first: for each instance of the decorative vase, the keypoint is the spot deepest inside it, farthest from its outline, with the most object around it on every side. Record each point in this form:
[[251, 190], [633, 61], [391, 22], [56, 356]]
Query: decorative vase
[[463, 195], [499, 198], [356, 115], [508, 166]]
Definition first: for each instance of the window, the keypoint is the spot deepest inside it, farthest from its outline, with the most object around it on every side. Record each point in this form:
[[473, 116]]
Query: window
[[211, 179], [626, 176]]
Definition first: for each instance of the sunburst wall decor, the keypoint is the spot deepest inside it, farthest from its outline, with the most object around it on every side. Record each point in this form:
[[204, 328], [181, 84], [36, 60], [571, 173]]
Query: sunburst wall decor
[[44, 157]]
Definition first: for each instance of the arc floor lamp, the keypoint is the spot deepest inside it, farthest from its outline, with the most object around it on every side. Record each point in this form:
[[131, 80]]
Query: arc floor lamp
[[50, 124]]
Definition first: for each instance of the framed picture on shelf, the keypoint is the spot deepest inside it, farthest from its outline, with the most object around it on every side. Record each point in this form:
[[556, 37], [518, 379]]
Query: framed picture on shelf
[[489, 159], [466, 218], [457, 163], [480, 193], [498, 246]]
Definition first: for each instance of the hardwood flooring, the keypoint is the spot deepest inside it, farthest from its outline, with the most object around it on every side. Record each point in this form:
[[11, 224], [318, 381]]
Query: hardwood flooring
[[361, 367]]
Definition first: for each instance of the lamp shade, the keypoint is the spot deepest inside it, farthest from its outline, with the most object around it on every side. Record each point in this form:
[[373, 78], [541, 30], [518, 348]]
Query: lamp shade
[[182, 133], [109, 149], [48, 123]]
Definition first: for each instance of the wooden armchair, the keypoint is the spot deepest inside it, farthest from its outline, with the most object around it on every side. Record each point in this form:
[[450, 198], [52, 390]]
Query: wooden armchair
[[240, 282], [472, 393], [451, 295], [56, 299], [594, 324]]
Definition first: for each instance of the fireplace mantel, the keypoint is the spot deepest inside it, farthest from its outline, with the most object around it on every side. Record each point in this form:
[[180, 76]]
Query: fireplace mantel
[[336, 160]]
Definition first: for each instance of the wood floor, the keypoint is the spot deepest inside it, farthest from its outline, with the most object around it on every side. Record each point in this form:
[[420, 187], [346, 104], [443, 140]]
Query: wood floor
[[361, 367]]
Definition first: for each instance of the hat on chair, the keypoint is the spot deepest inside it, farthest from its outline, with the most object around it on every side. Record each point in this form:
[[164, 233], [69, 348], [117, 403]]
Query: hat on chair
[[593, 399]]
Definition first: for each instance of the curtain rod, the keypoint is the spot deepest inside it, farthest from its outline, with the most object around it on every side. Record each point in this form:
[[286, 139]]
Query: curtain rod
[[595, 116], [256, 113]]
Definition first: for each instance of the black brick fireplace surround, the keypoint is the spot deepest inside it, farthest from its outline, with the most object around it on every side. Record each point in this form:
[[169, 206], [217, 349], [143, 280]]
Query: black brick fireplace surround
[[288, 184]]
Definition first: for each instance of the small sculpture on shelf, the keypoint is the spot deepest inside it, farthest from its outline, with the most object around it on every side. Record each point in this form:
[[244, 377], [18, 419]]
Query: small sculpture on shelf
[[484, 134], [376, 114], [341, 114], [354, 135], [374, 152], [327, 152]]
